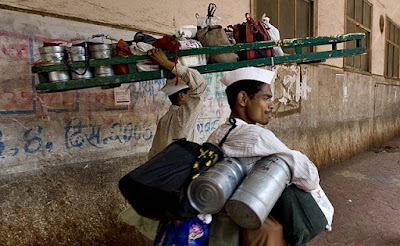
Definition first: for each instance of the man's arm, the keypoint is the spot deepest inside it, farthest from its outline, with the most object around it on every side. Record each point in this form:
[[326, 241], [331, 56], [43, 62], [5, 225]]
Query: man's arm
[[252, 141], [304, 173], [189, 111]]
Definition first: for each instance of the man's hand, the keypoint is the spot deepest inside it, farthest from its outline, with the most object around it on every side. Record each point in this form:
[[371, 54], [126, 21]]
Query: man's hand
[[158, 57]]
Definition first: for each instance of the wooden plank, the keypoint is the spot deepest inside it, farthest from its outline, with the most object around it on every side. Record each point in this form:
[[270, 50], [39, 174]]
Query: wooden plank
[[287, 43], [141, 76]]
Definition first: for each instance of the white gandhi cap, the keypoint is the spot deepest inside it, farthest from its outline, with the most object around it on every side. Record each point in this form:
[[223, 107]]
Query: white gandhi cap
[[248, 73], [170, 87]]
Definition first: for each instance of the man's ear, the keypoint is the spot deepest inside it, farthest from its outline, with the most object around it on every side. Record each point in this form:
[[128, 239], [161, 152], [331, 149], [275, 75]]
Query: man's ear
[[242, 98]]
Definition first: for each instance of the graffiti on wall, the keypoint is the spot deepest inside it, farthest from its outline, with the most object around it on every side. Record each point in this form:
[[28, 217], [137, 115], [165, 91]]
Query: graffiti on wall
[[206, 125], [79, 135], [31, 141], [76, 135]]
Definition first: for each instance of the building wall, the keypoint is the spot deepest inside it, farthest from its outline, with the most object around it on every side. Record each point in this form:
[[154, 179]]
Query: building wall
[[160, 17], [331, 21], [62, 154]]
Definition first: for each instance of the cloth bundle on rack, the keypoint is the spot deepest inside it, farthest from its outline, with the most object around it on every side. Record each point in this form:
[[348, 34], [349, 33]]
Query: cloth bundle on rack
[[249, 32], [122, 49], [171, 44], [215, 36], [141, 48], [273, 33], [142, 37], [195, 60]]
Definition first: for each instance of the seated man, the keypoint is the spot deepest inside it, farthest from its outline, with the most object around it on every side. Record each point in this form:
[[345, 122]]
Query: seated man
[[250, 99]]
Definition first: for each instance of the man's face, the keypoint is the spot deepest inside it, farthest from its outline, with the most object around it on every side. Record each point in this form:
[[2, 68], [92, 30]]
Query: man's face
[[259, 108]]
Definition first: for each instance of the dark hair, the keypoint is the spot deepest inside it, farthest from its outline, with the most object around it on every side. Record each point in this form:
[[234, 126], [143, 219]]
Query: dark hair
[[251, 87], [174, 97]]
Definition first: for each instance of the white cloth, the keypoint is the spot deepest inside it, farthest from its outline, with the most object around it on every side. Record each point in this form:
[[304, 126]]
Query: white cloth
[[141, 48], [249, 143], [180, 122], [248, 73], [192, 61], [273, 33], [206, 218], [324, 204]]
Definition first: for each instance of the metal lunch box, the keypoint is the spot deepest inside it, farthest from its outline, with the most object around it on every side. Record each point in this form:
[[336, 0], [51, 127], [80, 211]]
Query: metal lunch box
[[209, 192], [252, 202]]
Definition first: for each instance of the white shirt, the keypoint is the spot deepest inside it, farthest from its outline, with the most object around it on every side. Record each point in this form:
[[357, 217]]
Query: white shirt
[[249, 143], [180, 121]]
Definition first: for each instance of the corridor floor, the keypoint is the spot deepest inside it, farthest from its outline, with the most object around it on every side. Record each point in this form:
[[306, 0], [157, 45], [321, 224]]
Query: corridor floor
[[365, 192]]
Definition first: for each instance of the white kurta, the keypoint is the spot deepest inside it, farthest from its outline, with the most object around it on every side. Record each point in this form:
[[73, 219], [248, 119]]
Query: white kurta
[[180, 122], [249, 143]]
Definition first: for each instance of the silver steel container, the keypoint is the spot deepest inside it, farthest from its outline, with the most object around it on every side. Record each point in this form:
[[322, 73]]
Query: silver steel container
[[251, 203], [52, 54], [82, 74], [209, 192], [100, 51], [103, 71], [77, 53], [58, 76]]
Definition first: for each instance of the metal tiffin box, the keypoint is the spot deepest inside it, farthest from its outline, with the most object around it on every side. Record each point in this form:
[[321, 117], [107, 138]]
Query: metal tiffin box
[[252, 202], [209, 192], [52, 54]]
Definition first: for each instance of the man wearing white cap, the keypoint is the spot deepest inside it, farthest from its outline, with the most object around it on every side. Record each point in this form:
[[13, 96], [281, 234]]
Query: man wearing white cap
[[250, 99], [186, 98], [179, 122]]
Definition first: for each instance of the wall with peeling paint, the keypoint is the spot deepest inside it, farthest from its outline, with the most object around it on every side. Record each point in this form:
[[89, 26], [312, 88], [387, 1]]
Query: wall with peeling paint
[[339, 113], [62, 154], [157, 16]]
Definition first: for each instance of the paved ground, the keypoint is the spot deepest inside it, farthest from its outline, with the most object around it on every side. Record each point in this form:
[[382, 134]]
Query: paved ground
[[365, 192]]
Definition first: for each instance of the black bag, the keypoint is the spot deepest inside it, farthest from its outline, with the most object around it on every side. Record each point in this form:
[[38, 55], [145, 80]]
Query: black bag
[[300, 216], [158, 188]]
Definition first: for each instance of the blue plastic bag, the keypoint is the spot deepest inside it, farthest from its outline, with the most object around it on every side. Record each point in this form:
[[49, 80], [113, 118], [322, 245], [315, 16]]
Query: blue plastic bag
[[182, 233]]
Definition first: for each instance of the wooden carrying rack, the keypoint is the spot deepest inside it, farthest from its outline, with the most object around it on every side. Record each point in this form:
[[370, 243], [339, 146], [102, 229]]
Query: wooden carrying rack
[[134, 76]]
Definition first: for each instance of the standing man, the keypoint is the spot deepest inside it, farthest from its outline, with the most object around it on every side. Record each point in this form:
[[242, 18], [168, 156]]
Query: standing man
[[186, 98], [250, 99], [179, 122]]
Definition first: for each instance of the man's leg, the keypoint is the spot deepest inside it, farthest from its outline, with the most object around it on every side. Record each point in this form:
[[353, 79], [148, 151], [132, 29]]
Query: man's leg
[[270, 234]]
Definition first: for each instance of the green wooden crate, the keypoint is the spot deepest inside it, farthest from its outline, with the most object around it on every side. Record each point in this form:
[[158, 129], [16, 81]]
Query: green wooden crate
[[135, 76]]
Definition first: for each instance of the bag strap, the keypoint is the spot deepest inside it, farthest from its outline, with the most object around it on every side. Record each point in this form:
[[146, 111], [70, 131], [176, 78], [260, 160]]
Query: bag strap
[[212, 7], [250, 19], [233, 123]]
